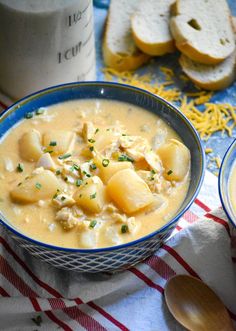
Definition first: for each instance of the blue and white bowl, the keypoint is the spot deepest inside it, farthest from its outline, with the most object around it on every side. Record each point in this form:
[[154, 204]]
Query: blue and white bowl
[[126, 255], [228, 163]]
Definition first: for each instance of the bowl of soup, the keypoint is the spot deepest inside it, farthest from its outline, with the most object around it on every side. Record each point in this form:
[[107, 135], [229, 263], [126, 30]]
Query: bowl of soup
[[227, 183], [94, 176]]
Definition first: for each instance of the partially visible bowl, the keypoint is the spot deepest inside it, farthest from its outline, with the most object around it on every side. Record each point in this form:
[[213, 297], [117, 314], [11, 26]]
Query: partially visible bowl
[[228, 163], [125, 255]]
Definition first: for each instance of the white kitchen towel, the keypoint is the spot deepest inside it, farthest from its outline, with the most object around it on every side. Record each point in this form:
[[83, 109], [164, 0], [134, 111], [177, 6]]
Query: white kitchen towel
[[36, 296]]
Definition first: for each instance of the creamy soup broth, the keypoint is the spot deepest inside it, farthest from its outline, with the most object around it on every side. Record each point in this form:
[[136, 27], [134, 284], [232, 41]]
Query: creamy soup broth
[[47, 197]]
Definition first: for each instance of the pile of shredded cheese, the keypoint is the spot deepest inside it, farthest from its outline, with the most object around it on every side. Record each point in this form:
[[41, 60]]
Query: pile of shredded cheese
[[213, 118]]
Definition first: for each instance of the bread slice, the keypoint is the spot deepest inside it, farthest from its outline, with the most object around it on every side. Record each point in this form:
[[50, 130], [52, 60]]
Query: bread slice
[[202, 30], [119, 49], [210, 77], [150, 27]]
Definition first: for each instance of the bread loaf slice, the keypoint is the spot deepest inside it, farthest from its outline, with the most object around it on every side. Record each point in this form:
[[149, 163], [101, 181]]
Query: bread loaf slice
[[119, 49], [202, 30], [210, 77], [150, 27]]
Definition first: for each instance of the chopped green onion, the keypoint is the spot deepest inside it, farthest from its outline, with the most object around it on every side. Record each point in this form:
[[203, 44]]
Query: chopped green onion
[[92, 224], [105, 162], [55, 195], [65, 156], [124, 134], [96, 131], [29, 115], [48, 151], [93, 166], [76, 167], [58, 172], [66, 179], [20, 167], [39, 111], [124, 228], [91, 141], [80, 196], [124, 157], [169, 172], [19, 184], [86, 174], [78, 182], [63, 198], [53, 143], [38, 186], [93, 196], [91, 148]]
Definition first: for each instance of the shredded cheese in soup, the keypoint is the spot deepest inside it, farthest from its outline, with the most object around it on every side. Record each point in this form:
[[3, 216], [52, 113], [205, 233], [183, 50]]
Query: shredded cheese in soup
[[92, 173]]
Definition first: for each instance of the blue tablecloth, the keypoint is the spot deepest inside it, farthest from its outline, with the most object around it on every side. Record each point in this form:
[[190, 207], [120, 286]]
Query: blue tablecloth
[[218, 142]]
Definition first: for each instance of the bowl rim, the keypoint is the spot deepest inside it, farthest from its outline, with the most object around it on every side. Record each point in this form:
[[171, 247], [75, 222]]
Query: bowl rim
[[171, 222], [231, 147]]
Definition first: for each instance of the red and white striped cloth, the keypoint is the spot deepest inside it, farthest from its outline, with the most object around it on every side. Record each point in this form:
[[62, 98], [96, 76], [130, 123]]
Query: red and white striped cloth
[[203, 246]]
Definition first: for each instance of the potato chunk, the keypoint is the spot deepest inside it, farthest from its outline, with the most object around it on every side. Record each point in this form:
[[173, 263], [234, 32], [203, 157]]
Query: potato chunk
[[106, 172], [30, 145], [175, 157], [41, 185], [59, 142], [129, 191], [91, 195]]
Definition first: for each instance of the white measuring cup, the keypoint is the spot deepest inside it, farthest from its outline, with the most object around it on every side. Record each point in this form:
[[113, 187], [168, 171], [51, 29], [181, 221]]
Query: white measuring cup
[[44, 43]]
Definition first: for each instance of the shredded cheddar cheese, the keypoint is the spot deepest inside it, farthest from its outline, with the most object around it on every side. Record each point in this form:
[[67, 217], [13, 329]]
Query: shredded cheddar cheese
[[208, 150], [213, 118]]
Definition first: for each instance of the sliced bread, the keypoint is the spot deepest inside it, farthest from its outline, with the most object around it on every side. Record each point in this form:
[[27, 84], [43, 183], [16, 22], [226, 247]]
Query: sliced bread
[[119, 49], [202, 30], [150, 27], [210, 77]]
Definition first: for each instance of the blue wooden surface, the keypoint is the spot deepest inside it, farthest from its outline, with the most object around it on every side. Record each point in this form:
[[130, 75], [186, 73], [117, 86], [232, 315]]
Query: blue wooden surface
[[218, 142]]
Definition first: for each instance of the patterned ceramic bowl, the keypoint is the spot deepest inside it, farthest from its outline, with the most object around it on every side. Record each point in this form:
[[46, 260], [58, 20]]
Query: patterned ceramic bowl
[[228, 162], [122, 256]]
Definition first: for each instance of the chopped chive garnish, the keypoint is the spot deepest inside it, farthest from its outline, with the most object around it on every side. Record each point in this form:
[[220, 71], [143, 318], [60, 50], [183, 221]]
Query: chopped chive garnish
[[91, 140], [39, 111], [153, 171], [48, 151], [93, 166], [86, 174], [78, 182], [37, 320], [66, 179], [29, 115], [169, 172], [55, 196], [65, 156], [124, 228], [63, 198], [91, 148], [96, 131], [105, 162], [76, 167], [124, 134], [38, 186], [80, 195], [19, 184], [92, 224], [53, 143], [124, 157], [58, 172], [93, 196], [20, 167]]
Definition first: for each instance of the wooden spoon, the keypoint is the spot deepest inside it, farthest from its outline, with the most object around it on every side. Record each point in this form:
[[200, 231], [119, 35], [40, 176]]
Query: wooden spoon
[[195, 305]]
